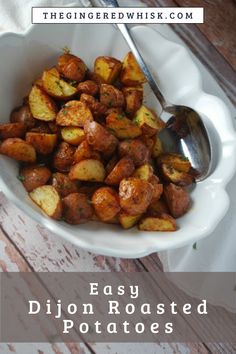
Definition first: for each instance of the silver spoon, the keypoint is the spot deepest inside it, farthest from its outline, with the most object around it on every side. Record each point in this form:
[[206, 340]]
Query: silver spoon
[[185, 132]]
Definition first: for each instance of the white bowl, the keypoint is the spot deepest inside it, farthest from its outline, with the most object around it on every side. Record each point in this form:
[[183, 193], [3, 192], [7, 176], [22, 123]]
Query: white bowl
[[23, 57]]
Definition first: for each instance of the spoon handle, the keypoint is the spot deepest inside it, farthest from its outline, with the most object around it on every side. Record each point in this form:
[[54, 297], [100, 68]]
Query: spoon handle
[[127, 36]]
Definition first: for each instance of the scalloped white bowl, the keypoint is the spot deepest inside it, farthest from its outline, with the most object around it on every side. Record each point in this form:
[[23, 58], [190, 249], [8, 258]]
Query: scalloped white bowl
[[23, 57]]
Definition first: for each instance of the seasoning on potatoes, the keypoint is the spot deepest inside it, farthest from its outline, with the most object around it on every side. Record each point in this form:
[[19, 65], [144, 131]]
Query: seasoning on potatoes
[[106, 203], [55, 86], [23, 115], [18, 149], [133, 99], [107, 68], [97, 108], [163, 222], [73, 135], [88, 87], [34, 176], [72, 67], [131, 74], [63, 184], [88, 170], [42, 105], [135, 149], [12, 130], [84, 151], [135, 195], [177, 199], [63, 157], [76, 209], [122, 127], [123, 169], [110, 96], [48, 199], [148, 121], [74, 113], [127, 221], [43, 143]]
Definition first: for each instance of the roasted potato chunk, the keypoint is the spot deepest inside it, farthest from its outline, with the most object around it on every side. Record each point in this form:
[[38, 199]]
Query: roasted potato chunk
[[122, 127], [106, 203], [41, 105], [157, 187], [148, 121], [163, 222], [157, 207], [97, 108], [144, 172], [135, 149], [48, 199], [73, 135], [170, 174], [177, 199], [123, 169], [133, 99], [127, 221], [72, 67], [55, 86], [63, 184], [84, 151], [157, 148], [18, 149], [88, 87], [63, 157], [135, 195], [177, 161], [75, 114], [88, 170], [107, 68], [43, 143], [131, 74], [23, 115], [34, 176], [110, 96], [12, 130], [77, 209]]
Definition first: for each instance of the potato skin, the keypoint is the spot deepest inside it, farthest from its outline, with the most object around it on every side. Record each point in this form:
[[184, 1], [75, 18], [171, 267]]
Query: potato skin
[[23, 115], [63, 157], [97, 108], [158, 207], [72, 67], [18, 149], [135, 149], [34, 176], [12, 130], [85, 151], [123, 169], [88, 87], [157, 187], [76, 209], [43, 143], [177, 199], [106, 203], [135, 195], [63, 184], [133, 99], [110, 96]]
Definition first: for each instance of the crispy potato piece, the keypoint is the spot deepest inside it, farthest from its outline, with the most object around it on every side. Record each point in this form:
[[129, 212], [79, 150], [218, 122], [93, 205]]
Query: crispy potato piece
[[157, 187], [99, 138], [148, 121], [157, 207], [177, 161], [135, 195], [12, 130], [41, 105], [135, 149], [131, 74], [89, 189], [55, 86], [43, 143], [97, 108], [133, 99], [123, 169], [63, 184], [75, 114], [144, 172], [111, 163], [177, 199], [77, 209], [157, 147], [95, 77], [107, 68], [18, 149], [34, 176], [110, 96], [72, 67], [122, 127], [84, 151], [116, 110], [127, 221], [88, 87], [73, 135], [88, 170], [23, 115], [170, 174], [163, 222], [106, 203], [48, 199], [63, 157]]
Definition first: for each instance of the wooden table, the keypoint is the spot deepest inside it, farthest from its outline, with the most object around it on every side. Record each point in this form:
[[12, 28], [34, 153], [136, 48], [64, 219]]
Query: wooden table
[[26, 246]]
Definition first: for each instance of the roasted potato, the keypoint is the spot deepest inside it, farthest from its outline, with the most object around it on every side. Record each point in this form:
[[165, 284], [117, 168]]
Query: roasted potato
[[131, 74], [48, 199], [88, 87], [163, 222], [127, 221], [133, 99], [122, 127], [72, 67], [157, 187], [157, 148], [177, 161], [106, 203], [63, 157], [18, 149], [100, 138], [135, 149], [148, 121], [157, 207], [63, 184], [75, 114], [41, 127], [55, 86], [144, 172], [34, 176], [76, 209], [170, 174], [110, 96], [97, 108], [73, 135], [107, 68], [12, 130], [43, 143], [177, 199], [123, 169], [42, 105], [23, 115], [84, 151], [135, 195], [88, 170]]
